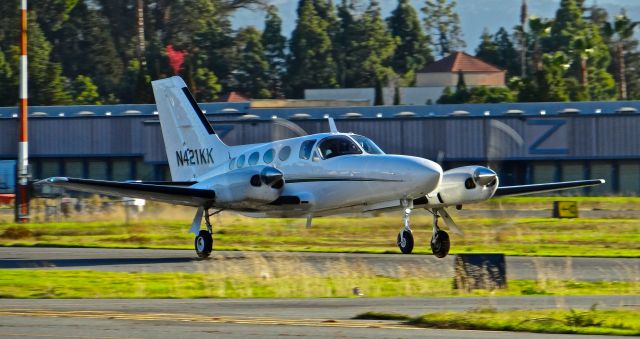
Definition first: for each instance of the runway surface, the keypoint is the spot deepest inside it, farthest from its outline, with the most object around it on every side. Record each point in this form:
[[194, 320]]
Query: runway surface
[[259, 318], [141, 260]]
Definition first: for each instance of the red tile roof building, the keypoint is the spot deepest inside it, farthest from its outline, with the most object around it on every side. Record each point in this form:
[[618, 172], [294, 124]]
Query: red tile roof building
[[444, 72]]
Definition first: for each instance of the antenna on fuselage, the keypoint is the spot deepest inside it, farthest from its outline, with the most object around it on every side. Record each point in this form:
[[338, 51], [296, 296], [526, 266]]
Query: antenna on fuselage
[[332, 125]]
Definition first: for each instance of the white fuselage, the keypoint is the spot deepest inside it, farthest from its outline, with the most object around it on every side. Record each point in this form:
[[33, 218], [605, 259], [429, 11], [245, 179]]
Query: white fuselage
[[328, 185]]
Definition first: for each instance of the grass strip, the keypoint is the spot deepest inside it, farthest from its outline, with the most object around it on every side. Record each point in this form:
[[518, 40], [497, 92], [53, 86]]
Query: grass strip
[[593, 237], [274, 282], [593, 321]]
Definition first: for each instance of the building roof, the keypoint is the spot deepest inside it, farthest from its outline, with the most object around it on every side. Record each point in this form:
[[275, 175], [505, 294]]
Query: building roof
[[234, 97], [459, 61]]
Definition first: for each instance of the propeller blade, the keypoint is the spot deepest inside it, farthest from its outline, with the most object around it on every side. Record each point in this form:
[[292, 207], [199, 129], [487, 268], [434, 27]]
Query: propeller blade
[[449, 221]]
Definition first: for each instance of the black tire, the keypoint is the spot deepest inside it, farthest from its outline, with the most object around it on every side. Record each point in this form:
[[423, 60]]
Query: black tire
[[405, 246], [203, 244], [440, 244]]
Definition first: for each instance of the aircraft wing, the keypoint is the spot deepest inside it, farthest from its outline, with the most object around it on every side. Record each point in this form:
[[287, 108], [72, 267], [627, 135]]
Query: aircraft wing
[[174, 194], [543, 188]]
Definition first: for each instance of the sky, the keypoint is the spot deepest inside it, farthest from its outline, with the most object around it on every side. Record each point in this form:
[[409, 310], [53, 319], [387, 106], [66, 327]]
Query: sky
[[475, 15]]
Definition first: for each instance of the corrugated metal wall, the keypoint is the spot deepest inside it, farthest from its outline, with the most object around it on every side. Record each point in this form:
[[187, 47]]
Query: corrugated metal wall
[[453, 139]]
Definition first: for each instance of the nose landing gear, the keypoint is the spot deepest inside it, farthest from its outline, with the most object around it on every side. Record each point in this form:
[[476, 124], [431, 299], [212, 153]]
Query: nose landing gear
[[405, 237]]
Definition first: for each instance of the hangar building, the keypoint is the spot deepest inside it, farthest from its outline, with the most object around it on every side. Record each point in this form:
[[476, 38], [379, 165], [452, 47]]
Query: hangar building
[[524, 142]]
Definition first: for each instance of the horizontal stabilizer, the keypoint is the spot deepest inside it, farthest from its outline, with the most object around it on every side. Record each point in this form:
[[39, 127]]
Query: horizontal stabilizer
[[164, 193], [543, 188]]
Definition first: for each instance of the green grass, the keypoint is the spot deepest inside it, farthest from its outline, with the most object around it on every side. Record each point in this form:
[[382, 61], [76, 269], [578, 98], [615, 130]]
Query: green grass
[[593, 321], [604, 237], [289, 280], [164, 226]]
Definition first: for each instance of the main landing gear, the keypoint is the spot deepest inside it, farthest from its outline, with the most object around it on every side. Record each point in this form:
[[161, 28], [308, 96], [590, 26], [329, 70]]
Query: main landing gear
[[440, 243], [204, 241]]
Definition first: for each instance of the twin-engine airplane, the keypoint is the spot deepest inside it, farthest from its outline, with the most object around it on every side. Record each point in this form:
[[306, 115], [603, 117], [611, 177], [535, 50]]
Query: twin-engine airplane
[[310, 176]]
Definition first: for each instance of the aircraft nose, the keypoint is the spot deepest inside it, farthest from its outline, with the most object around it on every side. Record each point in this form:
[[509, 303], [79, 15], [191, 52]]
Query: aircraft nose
[[425, 174]]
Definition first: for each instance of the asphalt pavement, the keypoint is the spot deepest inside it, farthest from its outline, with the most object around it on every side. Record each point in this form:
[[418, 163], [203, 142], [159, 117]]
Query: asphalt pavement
[[392, 265], [261, 318]]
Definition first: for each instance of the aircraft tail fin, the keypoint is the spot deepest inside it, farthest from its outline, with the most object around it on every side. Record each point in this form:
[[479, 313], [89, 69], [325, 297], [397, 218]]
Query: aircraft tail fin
[[193, 147]]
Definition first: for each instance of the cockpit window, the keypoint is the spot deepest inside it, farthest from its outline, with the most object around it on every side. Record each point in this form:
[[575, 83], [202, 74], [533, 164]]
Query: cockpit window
[[306, 148], [367, 144], [336, 146]]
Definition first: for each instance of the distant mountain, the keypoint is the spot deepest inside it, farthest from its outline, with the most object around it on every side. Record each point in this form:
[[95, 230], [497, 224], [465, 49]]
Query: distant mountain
[[475, 15]]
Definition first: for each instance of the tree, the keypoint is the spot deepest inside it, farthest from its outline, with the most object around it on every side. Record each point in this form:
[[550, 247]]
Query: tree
[[7, 85], [252, 74], [343, 44], [274, 45], [88, 31], [412, 51], [84, 91], [311, 63], [620, 34], [488, 50], [442, 22]]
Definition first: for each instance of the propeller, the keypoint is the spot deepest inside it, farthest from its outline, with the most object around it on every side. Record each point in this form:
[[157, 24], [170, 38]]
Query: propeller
[[272, 177], [484, 176]]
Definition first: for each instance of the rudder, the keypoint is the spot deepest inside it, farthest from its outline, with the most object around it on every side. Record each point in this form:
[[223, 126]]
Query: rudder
[[193, 148]]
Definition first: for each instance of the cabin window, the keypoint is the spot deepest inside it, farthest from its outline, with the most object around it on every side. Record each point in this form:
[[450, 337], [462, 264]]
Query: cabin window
[[240, 163], [336, 146], [306, 148], [253, 158], [284, 153], [367, 144], [268, 156], [231, 163]]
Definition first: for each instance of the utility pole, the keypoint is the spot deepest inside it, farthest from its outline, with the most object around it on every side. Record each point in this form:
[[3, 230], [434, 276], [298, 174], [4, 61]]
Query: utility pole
[[140, 28], [22, 186], [523, 38]]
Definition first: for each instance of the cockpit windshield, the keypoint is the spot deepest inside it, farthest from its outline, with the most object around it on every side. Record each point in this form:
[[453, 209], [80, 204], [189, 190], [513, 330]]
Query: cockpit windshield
[[367, 144], [336, 146]]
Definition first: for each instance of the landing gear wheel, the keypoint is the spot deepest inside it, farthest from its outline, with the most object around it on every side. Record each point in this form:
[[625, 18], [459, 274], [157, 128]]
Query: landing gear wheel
[[440, 244], [204, 244], [405, 241]]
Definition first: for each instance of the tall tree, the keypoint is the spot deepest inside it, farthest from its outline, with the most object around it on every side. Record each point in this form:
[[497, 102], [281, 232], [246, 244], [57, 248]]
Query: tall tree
[[252, 73], [413, 51], [88, 31], [274, 45], [499, 50], [620, 33], [442, 24], [343, 44], [311, 63], [7, 85]]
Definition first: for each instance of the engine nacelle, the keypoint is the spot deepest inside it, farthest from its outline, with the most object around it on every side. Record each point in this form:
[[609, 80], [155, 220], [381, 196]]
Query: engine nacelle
[[247, 186], [464, 185]]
